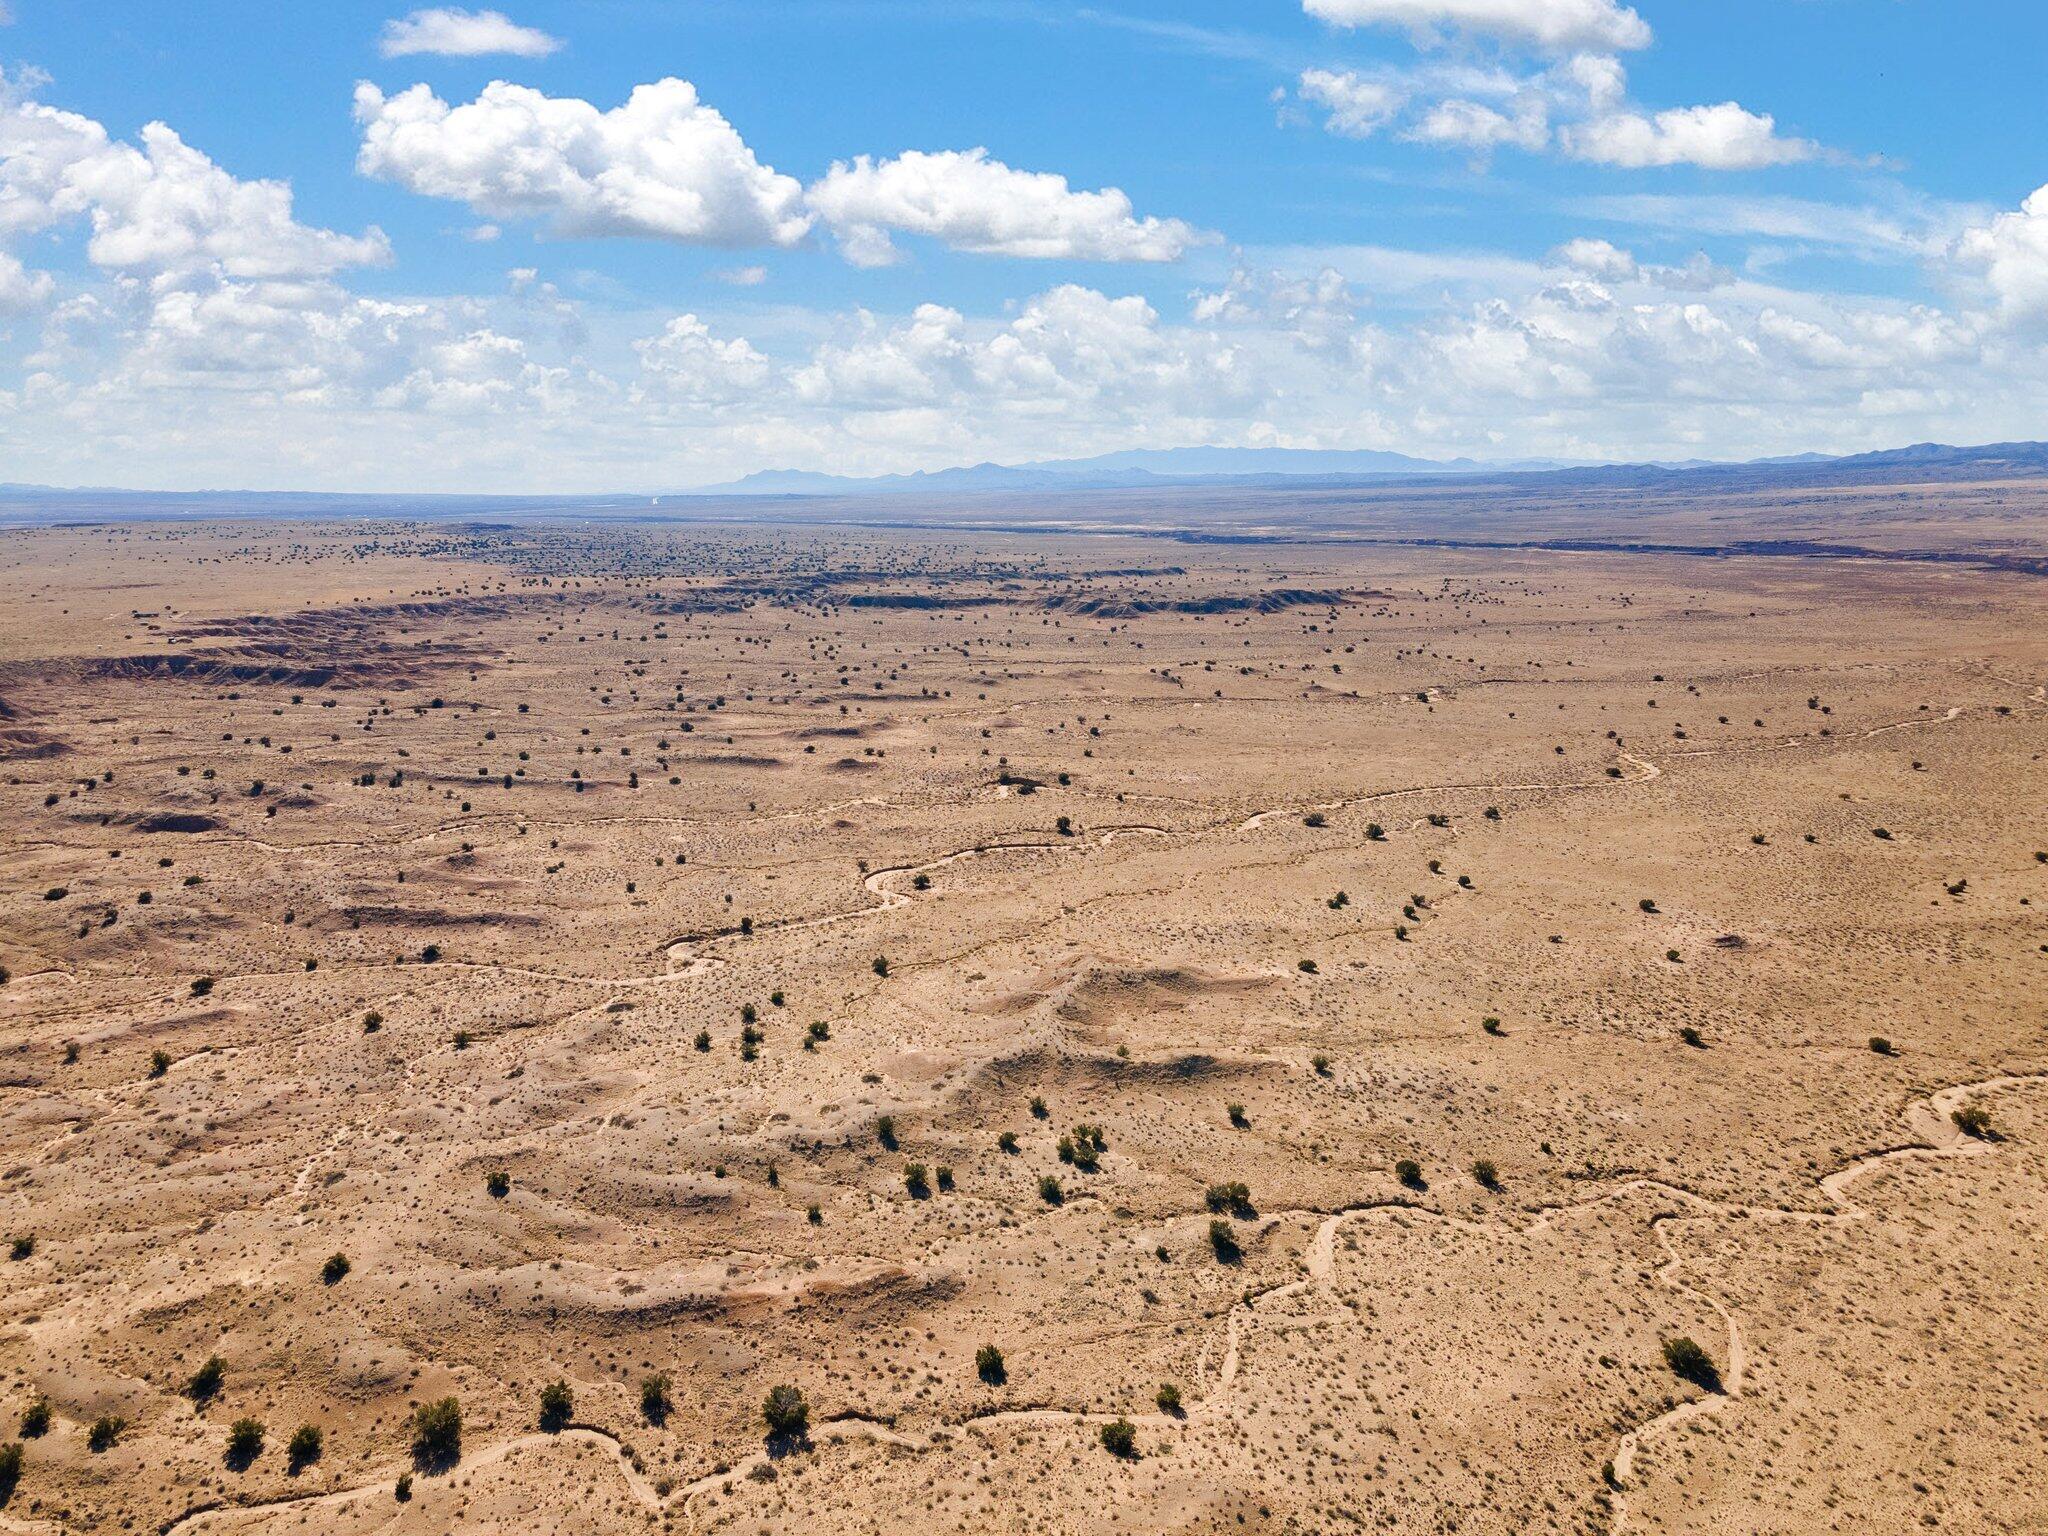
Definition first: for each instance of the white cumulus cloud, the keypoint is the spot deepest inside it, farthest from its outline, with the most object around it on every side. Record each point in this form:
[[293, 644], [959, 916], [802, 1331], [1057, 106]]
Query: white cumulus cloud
[[20, 289], [687, 360], [662, 166], [970, 202], [2011, 255], [1724, 137], [1556, 26], [1358, 107], [161, 210], [463, 34]]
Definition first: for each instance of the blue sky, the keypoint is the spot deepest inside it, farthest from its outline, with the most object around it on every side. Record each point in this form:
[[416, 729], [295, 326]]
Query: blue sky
[[399, 248]]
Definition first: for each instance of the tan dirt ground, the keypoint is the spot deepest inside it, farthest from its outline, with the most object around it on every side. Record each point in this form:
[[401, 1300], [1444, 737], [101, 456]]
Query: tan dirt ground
[[1009, 819]]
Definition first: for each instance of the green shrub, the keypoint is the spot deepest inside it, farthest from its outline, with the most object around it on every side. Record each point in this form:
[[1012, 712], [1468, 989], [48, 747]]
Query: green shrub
[[1235, 1197], [205, 1383], [1224, 1241], [1007, 1142], [988, 1365], [1409, 1172], [35, 1419], [10, 1469], [437, 1430], [785, 1411], [1237, 1115], [23, 1246], [1972, 1120], [1485, 1175], [557, 1403], [1692, 1037], [498, 1182], [915, 1180], [106, 1429], [1049, 1190], [336, 1267], [1168, 1398], [159, 1063], [245, 1441], [1491, 1026], [885, 1131], [654, 1398], [1879, 1044], [304, 1447], [1120, 1438], [1691, 1363]]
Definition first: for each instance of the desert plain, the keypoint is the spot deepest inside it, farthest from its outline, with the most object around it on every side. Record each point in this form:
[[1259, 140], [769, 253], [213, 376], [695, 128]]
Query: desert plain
[[1143, 1031]]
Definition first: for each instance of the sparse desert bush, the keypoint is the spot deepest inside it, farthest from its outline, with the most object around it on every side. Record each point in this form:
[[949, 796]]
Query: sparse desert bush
[[1237, 1115], [1879, 1044], [881, 965], [988, 1365], [1049, 1190], [1224, 1241], [916, 1181], [1409, 1172], [105, 1431], [205, 1383], [1007, 1142], [885, 1131], [1234, 1197], [1312, 819], [159, 1063], [1038, 1109], [402, 1489], [304, 1447], [654, 1398], [35, 1419], [1691, 1363], [1974, 1120], [1485, 1175], [1120, 1438], [336, 1267], [1691, 1036], [1306, 967], [23, 1247], [785, 1411], [245, 1441], [1491, 1026], [1320, 1064], [944, 1176], [10, 1469], [498, 1182], [437, 1430], [1168, 1398], [557, 1403]]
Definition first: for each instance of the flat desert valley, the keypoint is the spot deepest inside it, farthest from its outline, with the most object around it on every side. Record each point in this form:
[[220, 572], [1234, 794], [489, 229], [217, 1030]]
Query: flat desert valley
[[1136, 1031]]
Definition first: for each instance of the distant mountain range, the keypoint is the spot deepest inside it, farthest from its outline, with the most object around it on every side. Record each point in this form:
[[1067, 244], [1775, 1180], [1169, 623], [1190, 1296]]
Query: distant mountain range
[[1281, 469], [1305, 467], [1128, 470]]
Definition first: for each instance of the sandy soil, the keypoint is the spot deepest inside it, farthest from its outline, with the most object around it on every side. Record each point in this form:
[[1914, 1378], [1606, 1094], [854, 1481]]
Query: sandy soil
[[701, 881]]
